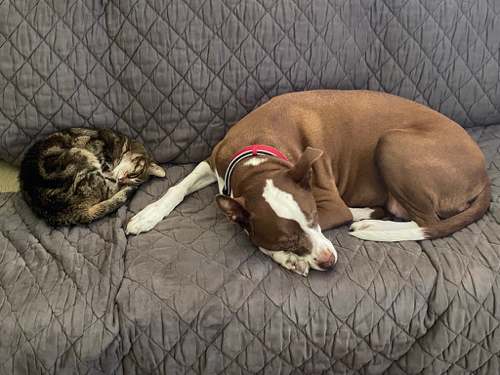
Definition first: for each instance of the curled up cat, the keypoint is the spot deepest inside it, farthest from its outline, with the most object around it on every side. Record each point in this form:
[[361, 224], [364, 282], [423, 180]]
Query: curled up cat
[[80, 175]]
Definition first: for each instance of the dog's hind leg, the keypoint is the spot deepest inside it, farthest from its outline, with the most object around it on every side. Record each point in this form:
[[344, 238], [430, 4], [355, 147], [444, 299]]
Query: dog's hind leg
[[148, 217], [387, 231], [436, 179]]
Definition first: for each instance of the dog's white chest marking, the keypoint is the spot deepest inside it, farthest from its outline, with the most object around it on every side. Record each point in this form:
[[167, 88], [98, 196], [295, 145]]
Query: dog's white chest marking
[[220, 181]]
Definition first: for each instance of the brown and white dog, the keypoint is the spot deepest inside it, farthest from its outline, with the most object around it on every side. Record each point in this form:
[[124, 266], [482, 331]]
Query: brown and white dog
[[310, 161]]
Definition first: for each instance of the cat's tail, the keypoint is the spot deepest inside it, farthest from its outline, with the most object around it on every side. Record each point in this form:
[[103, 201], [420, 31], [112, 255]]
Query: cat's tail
[[106, 207]]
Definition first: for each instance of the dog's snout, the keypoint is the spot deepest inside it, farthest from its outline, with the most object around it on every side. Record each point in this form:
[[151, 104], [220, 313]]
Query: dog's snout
[[328, 263]]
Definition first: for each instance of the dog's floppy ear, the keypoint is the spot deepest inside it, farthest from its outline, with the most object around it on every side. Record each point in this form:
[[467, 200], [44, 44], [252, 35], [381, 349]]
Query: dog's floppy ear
[[235, 211], [301, 171]]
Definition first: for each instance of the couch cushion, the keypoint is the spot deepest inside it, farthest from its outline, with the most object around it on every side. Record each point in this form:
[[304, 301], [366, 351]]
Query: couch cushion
[[176, 74]]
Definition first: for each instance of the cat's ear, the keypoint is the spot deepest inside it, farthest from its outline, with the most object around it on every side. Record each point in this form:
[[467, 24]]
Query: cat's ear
[[156, 170]]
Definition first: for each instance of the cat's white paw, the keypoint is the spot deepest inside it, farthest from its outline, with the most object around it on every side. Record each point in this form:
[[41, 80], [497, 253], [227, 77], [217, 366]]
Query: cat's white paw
[[145, 220]]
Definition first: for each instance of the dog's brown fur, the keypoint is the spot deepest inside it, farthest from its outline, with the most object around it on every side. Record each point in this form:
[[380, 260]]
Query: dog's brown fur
[[375, 146]]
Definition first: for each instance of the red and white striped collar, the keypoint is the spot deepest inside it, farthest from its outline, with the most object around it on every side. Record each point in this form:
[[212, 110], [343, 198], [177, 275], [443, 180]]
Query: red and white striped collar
[[243, 154]]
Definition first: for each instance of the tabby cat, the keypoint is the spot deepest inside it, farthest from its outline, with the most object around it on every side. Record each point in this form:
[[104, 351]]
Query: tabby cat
[[80, 175]]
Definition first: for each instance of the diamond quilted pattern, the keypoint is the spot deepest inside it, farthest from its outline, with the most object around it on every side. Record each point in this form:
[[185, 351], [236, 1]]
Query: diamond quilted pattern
[[387, 308], [128, 64], [57, 289], [199, 298]]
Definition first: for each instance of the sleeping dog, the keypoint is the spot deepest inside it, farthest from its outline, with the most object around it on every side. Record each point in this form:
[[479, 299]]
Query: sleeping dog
[[310, 161]]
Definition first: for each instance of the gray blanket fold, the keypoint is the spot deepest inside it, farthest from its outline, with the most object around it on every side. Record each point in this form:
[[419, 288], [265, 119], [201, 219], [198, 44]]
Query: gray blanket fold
[[58, 289], [195, 296]]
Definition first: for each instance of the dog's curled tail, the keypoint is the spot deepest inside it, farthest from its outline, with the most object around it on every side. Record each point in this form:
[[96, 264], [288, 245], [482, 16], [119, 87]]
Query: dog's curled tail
[[390, 231], [474, 212]]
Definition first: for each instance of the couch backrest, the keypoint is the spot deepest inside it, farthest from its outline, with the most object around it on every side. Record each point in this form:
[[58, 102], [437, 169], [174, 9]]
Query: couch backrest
[[177, 74]]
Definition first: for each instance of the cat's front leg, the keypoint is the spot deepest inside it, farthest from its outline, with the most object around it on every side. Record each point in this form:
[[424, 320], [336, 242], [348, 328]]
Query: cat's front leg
[[112, 203], [128, 190]]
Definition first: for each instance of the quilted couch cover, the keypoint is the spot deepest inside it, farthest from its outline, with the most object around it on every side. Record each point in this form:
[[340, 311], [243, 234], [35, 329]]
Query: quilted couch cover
[[194, 296]]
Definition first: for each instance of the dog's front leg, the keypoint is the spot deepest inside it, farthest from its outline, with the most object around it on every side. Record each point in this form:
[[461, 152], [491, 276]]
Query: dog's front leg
[[148, 217], [333, 213]]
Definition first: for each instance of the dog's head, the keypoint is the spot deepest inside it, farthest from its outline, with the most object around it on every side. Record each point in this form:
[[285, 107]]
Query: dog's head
[[281, 218]]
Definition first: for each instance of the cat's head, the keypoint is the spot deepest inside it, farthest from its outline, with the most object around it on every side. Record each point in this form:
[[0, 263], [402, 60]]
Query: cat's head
[[136, 166]]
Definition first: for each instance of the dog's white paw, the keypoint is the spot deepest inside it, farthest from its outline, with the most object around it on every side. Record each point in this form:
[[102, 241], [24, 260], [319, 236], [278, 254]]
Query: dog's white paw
[[387, 231], [145, 220], [301, 267], [289, 260], [359, 214], [296, 264], [367, 225]]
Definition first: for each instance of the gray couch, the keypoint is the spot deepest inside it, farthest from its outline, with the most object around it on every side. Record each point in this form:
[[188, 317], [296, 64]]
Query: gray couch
[[194, 296]]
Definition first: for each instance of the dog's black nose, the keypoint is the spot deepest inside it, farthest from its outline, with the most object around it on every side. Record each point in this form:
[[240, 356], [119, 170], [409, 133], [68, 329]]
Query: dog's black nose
[[329, 263]]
